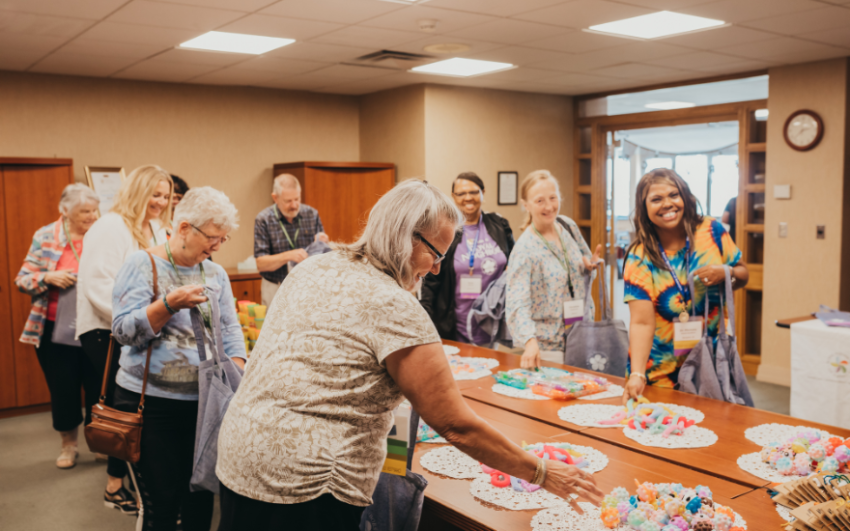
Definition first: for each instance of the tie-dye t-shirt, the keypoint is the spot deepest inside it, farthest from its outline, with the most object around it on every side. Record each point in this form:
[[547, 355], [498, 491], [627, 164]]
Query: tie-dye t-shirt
[[645, 281]]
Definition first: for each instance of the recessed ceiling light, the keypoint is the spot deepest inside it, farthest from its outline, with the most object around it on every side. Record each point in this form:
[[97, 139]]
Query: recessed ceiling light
[[668, 105], [459, 67], [449, 47], [218, 41], [655, 25]]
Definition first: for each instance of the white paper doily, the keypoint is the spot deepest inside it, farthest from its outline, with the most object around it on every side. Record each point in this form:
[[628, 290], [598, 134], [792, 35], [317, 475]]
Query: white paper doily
[[590, 414], [482, 366], [450, 350], [451, 462], [563, 518], [694, 437], [513, 392], [767, 433], [614, 391], [784, 513], [508, 498], [753, 464]]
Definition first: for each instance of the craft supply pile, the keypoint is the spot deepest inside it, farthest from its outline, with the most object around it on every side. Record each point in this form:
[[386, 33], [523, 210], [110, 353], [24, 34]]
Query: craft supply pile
[[666, 507], [657, 419], [806, 452], [470, 368], [553, 383], [563, 452]]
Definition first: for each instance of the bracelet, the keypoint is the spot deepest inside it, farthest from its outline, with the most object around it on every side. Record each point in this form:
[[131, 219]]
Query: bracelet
[[542, 478], [639, 375], [171, 310], [540, 473], [536, 472]]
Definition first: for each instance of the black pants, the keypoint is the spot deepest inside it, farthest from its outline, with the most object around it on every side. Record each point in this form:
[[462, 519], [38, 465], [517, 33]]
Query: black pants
[[325, 513], [165, 467], [67, 369], [96, 346]]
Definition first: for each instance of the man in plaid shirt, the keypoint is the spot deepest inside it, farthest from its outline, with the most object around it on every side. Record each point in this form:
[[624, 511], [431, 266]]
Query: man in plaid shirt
[[282, 231]]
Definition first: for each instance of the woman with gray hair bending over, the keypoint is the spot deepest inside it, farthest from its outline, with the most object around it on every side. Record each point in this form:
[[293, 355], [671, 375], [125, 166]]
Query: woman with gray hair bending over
[[304, 439], [186, 278], [50, 268]]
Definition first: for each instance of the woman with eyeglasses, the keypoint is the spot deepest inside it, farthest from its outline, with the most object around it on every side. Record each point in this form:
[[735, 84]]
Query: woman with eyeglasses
[[477, 257], [186, 279]]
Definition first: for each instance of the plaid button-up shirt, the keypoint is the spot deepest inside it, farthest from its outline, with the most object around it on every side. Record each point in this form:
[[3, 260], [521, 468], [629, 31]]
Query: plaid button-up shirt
[[269, 238]]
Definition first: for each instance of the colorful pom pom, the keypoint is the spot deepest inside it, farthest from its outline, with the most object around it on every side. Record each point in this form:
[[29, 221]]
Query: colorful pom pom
[[817, 452], [610, 517], [722, 522], [829, 464]]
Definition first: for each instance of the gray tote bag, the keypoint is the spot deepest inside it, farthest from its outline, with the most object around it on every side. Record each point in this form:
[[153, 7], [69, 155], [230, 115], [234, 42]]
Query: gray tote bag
[[218, 378], [601, 346], [698, 374], [65, 327]]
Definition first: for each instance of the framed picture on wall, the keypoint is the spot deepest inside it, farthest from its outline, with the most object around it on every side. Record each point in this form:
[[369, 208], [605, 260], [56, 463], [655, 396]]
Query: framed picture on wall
[[105, 182], [508, 187]]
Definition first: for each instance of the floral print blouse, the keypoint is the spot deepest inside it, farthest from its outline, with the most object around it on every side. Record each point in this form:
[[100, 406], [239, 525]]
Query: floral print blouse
[[537, 286]]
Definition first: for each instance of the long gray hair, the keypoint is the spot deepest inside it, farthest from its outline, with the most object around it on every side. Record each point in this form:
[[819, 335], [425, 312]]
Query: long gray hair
[[409, 209]]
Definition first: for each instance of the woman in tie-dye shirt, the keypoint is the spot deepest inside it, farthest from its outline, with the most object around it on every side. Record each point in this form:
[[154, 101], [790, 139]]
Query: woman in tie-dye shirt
[[667, 221]]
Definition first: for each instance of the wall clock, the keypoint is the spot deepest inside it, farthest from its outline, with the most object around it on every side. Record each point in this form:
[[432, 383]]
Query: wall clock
[[803, 130]]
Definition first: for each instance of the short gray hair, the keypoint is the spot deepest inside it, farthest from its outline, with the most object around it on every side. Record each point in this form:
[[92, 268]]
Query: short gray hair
[[396, 220], [285, 181], [75, 195], [207, 205]]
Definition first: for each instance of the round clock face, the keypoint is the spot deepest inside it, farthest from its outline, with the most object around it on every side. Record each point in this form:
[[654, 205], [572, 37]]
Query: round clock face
[[803, 130]]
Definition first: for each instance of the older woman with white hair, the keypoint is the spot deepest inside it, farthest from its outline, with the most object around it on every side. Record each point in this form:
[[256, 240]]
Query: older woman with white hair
[[304, 439], [186, 279], [50, 268]]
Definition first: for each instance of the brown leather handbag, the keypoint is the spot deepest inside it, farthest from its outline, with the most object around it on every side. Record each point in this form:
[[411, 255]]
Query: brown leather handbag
[[117, 433]]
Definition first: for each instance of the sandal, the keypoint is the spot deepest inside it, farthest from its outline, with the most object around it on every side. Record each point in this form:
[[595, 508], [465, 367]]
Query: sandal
[[68, 457], [121, 500]]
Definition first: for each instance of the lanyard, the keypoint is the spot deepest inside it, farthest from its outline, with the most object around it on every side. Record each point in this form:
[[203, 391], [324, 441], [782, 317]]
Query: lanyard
[[68, 237], [207, 319], [563, 260], [683, 290], [291, 245], [475, 246]]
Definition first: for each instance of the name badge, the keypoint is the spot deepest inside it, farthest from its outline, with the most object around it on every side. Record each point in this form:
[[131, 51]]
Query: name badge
[[686, 336], [470, 286], [573, 312]]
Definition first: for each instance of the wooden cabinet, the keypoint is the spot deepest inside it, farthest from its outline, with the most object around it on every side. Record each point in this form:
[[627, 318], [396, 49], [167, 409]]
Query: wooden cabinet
[[342, 192], [245, 285], [29, 194]]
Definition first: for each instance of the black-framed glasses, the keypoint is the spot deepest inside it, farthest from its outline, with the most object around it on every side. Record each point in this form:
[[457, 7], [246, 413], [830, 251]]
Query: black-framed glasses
[[213, 240], [439, 256]]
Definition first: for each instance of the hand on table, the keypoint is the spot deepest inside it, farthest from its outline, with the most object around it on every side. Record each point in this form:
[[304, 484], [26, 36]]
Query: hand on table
[[531, 356], [710, 275], [634, 387], [564, 480], [60, 279], [590, 264], [186, 297]]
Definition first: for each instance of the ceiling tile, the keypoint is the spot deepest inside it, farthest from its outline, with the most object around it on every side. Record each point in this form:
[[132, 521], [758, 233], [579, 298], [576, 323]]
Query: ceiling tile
[[298, 83], [162, 71], [356, 88], [744, 65], [519, 55], [637, 51], [584, 13], [805, 21], [81, 65], [474, 46], [714, 38], [25, 23], [340, 12], [232, 76], [200, 57], [375, 38], [313, 51], [245, 6], [87, 46], [351, 72], [837, 37], [90, 9], [635, 71], [576, 42], [287, 28], [668, 5], [131, 33], [521, 74], [693, 61], [146, 13], [580, 62], [279, 65], [736, 11], [407, 19], [572, 80], [508, 31], [19, 50], [499, 8], [774, 48], [811, 55]]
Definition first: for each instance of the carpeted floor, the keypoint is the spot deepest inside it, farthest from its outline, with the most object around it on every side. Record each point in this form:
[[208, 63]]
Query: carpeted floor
[[37, 496]]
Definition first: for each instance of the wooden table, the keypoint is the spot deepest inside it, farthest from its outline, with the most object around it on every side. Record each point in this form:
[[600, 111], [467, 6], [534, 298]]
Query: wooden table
[[449, 504], [786, 323]]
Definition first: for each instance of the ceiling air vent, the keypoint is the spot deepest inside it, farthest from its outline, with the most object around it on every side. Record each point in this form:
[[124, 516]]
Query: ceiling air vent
[[391, 60]]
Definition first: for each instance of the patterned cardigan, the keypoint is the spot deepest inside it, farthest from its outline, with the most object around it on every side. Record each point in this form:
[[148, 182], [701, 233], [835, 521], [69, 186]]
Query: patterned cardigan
[[46, 249]]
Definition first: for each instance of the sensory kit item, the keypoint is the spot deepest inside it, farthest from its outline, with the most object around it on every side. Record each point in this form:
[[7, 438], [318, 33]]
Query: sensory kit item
[[815, 503], [549, 382], [799, 455]]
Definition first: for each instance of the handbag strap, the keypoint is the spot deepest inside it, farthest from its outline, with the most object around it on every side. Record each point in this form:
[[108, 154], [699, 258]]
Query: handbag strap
[[150, 345]]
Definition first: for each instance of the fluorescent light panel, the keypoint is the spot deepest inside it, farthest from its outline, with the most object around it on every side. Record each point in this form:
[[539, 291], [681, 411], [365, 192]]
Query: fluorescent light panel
[[459, 67], [668, 105], [656, 25], [219, 41]]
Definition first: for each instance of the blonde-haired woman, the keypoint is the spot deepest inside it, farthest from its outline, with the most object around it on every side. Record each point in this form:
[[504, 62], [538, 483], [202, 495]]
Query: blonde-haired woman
[[546, 271], [137, 220]]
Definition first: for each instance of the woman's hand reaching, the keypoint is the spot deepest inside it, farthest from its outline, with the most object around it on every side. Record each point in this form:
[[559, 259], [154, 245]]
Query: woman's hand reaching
[[591, 263], [564, 480]]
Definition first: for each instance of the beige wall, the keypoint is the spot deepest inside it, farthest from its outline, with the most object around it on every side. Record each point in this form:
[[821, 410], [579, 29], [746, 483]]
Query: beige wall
[[225, 137], [801, 271], [392, 129], [487, 131]]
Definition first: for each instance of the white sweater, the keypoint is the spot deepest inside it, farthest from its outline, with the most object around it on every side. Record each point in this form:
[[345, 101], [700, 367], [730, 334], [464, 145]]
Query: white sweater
[[106, 246]]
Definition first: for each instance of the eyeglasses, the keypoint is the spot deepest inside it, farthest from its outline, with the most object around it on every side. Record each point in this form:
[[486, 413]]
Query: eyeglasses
[[439, 256], [213, 240], [464, 195]]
